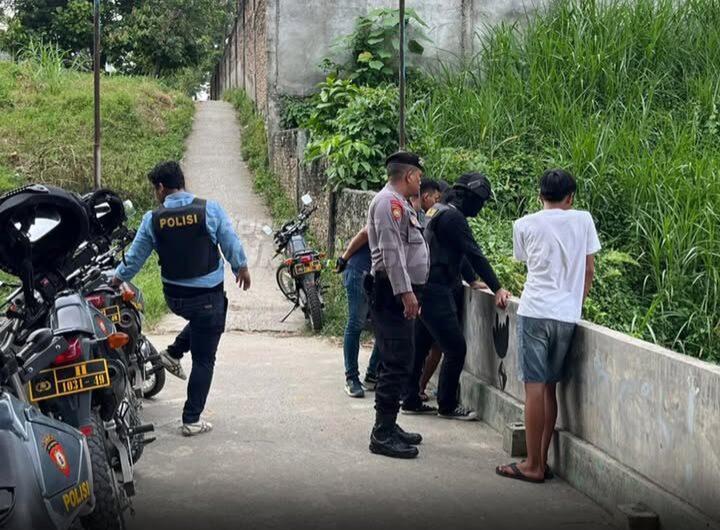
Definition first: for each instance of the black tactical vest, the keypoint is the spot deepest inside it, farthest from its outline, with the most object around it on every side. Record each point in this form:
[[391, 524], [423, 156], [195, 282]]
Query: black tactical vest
[[184, 245], [440, 263]]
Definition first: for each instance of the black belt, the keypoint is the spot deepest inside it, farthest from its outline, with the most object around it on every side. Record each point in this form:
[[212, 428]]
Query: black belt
[[381, 278], [172, 290]]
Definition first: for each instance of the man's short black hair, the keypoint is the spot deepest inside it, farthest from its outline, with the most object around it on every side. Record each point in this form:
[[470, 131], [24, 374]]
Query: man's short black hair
[[556, 185], [429, 185], [169, 174]]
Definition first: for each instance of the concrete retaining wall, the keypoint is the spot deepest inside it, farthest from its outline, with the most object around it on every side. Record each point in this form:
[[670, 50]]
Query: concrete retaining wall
[[639, 423]]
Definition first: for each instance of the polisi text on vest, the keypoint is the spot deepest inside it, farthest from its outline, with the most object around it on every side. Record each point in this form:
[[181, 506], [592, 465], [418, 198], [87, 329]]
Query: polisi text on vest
[[178, 221]]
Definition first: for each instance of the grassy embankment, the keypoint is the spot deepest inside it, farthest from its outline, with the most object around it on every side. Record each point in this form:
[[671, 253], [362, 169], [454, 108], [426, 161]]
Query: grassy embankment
[[46, 136]]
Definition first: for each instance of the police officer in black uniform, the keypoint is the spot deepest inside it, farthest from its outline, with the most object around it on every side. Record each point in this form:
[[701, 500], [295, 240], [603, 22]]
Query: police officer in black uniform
[[399, 266], [451, 242]]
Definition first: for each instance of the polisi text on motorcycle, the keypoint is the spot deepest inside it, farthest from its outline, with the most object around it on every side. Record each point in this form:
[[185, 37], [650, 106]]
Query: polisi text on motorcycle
[[76, 496]]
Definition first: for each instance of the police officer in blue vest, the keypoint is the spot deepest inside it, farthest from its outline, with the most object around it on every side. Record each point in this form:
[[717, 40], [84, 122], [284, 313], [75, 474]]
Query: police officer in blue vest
[[188, 234]]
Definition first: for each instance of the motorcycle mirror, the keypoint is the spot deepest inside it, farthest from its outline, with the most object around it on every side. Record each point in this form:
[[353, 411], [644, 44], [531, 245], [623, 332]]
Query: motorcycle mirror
[[267, 230], [129, 207], [306, 199]]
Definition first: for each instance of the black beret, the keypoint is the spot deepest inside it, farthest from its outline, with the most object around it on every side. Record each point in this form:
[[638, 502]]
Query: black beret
[[402, 157]]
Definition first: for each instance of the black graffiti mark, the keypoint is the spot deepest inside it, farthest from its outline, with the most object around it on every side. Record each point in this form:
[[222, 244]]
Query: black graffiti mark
[[502, 375], [501, 336]]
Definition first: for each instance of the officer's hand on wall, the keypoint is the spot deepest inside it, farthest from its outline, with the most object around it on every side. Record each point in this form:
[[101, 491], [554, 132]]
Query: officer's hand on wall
[[412, 308], [243, 279], [477, 285], [340, 265], [502, 297]]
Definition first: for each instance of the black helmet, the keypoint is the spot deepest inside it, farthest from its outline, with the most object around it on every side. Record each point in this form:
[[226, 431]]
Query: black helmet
[[475, 183], [105, 210], [40, 226]]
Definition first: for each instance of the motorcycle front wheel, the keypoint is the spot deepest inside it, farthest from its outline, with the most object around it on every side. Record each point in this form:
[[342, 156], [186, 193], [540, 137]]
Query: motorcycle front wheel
[[286, 283], [110, 498]]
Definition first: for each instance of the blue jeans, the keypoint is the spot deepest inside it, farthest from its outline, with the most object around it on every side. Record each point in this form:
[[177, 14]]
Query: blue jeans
[[357, 316]]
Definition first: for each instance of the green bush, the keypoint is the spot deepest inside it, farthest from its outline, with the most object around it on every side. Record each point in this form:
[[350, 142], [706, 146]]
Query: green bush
[[295, 111], [358, 139], [373, 46]]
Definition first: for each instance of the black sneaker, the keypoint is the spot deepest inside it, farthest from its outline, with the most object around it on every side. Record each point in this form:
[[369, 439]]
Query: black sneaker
[[422, 408], [393, 447], [460, 413], [354, 389], [410, 438], [370, 383]]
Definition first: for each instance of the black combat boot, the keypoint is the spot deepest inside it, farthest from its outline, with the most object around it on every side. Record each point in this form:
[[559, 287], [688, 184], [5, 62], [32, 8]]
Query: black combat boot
[[384, 439], [410, 438]]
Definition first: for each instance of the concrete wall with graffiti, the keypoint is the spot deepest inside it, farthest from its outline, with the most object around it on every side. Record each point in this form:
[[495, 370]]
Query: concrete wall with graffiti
[[639, 423]]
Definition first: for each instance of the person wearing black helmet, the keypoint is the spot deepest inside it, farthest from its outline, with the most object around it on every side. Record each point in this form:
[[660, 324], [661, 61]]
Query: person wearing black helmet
[[450, 240]]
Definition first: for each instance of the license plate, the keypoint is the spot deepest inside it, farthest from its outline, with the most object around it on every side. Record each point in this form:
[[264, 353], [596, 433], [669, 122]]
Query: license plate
[[67, 380], [315, 266], [113, 313]]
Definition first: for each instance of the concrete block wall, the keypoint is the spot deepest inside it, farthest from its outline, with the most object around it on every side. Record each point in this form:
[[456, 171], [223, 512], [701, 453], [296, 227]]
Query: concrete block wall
[[276, 46], [639, 423], [286, 160]]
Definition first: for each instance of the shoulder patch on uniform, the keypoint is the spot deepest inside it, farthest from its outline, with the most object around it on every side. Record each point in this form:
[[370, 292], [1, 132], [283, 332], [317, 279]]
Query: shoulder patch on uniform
[[431, 212], [397, 208]]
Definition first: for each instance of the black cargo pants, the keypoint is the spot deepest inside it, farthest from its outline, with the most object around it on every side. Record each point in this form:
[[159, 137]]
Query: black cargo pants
[[394, 335], [206, 316], [440, 322]]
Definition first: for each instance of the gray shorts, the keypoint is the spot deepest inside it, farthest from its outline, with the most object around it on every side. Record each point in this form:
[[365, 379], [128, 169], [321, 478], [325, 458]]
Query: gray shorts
[[543, 346]]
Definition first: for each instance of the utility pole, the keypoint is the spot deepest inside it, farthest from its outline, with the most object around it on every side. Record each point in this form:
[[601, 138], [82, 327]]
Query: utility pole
[[402, 76], [96, 71]]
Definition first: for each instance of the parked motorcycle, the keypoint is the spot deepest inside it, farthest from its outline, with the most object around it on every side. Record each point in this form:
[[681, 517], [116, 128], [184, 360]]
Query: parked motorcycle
[[87, 386], [45, 465], [299, 276]]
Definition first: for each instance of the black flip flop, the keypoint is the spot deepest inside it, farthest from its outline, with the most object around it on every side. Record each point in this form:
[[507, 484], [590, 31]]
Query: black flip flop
[[549, 475], [517, 474]]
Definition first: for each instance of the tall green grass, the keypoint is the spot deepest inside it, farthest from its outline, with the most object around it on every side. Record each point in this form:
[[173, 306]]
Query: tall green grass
[[625, 94]]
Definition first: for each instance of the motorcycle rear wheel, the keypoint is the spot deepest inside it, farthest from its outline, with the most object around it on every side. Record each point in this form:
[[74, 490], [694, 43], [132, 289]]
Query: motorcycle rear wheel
[[313, 308], [156, 382], [110, 498]]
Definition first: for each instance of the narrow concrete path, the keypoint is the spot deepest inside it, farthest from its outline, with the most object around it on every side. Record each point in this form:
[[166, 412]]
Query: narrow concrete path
[[214, 170], [290, 449]]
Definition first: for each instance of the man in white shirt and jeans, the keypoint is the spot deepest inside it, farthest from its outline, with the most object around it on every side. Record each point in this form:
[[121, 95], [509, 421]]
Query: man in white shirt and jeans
[[558, 244]]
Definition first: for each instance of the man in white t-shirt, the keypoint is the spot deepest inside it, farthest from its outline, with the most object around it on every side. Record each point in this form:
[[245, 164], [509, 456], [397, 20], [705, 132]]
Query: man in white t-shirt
[[558, 244]]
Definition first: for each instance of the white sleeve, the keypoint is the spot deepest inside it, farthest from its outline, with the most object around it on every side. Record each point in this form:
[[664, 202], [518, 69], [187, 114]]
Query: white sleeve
[[519, 251], [593, 242]]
